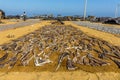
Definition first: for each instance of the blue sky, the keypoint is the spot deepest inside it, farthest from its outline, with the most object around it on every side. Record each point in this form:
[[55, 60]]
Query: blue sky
[[64, 7]]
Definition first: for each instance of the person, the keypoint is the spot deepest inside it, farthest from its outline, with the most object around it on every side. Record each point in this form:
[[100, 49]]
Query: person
[[24, 16], [0, 16]]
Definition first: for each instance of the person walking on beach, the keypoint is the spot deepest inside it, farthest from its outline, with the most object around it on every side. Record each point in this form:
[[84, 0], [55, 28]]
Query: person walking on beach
[[24, 16]]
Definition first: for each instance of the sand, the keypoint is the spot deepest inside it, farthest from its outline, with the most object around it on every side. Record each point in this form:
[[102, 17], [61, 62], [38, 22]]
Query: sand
[[18, 32], [77, 75], [71, 75], [9, 21], [102, 35]]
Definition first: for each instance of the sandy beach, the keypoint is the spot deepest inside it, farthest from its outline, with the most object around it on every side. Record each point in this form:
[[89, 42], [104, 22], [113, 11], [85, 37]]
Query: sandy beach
[[60, 75]]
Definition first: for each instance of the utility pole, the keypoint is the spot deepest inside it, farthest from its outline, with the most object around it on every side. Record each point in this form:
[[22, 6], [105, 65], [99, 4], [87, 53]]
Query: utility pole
[[0, 16], [116, 11], [85, 7]]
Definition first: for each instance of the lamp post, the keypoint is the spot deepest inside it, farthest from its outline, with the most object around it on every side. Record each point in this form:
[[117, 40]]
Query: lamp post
[[85, 7], [0, 16], [116, 11]]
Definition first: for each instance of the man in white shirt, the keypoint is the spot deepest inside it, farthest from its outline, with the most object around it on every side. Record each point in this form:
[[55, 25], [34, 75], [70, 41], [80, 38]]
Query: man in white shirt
[[24, 16]]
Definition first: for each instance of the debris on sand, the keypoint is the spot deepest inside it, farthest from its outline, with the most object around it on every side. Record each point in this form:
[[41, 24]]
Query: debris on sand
[[72, 47]]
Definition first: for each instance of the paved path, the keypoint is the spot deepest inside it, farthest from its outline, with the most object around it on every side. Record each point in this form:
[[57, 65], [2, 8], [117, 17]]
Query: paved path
[[99, 27], [20, 24]]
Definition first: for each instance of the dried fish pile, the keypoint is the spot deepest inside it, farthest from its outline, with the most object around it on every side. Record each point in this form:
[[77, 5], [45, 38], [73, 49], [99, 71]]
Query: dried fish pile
[[71, 46], [58, 22]]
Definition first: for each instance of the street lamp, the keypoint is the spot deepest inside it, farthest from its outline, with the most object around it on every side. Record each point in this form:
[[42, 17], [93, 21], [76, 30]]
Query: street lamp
[[85, 7], [116, 11]]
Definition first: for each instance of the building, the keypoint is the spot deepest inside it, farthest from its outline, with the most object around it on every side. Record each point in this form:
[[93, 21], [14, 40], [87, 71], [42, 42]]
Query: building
[[3, 14]]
